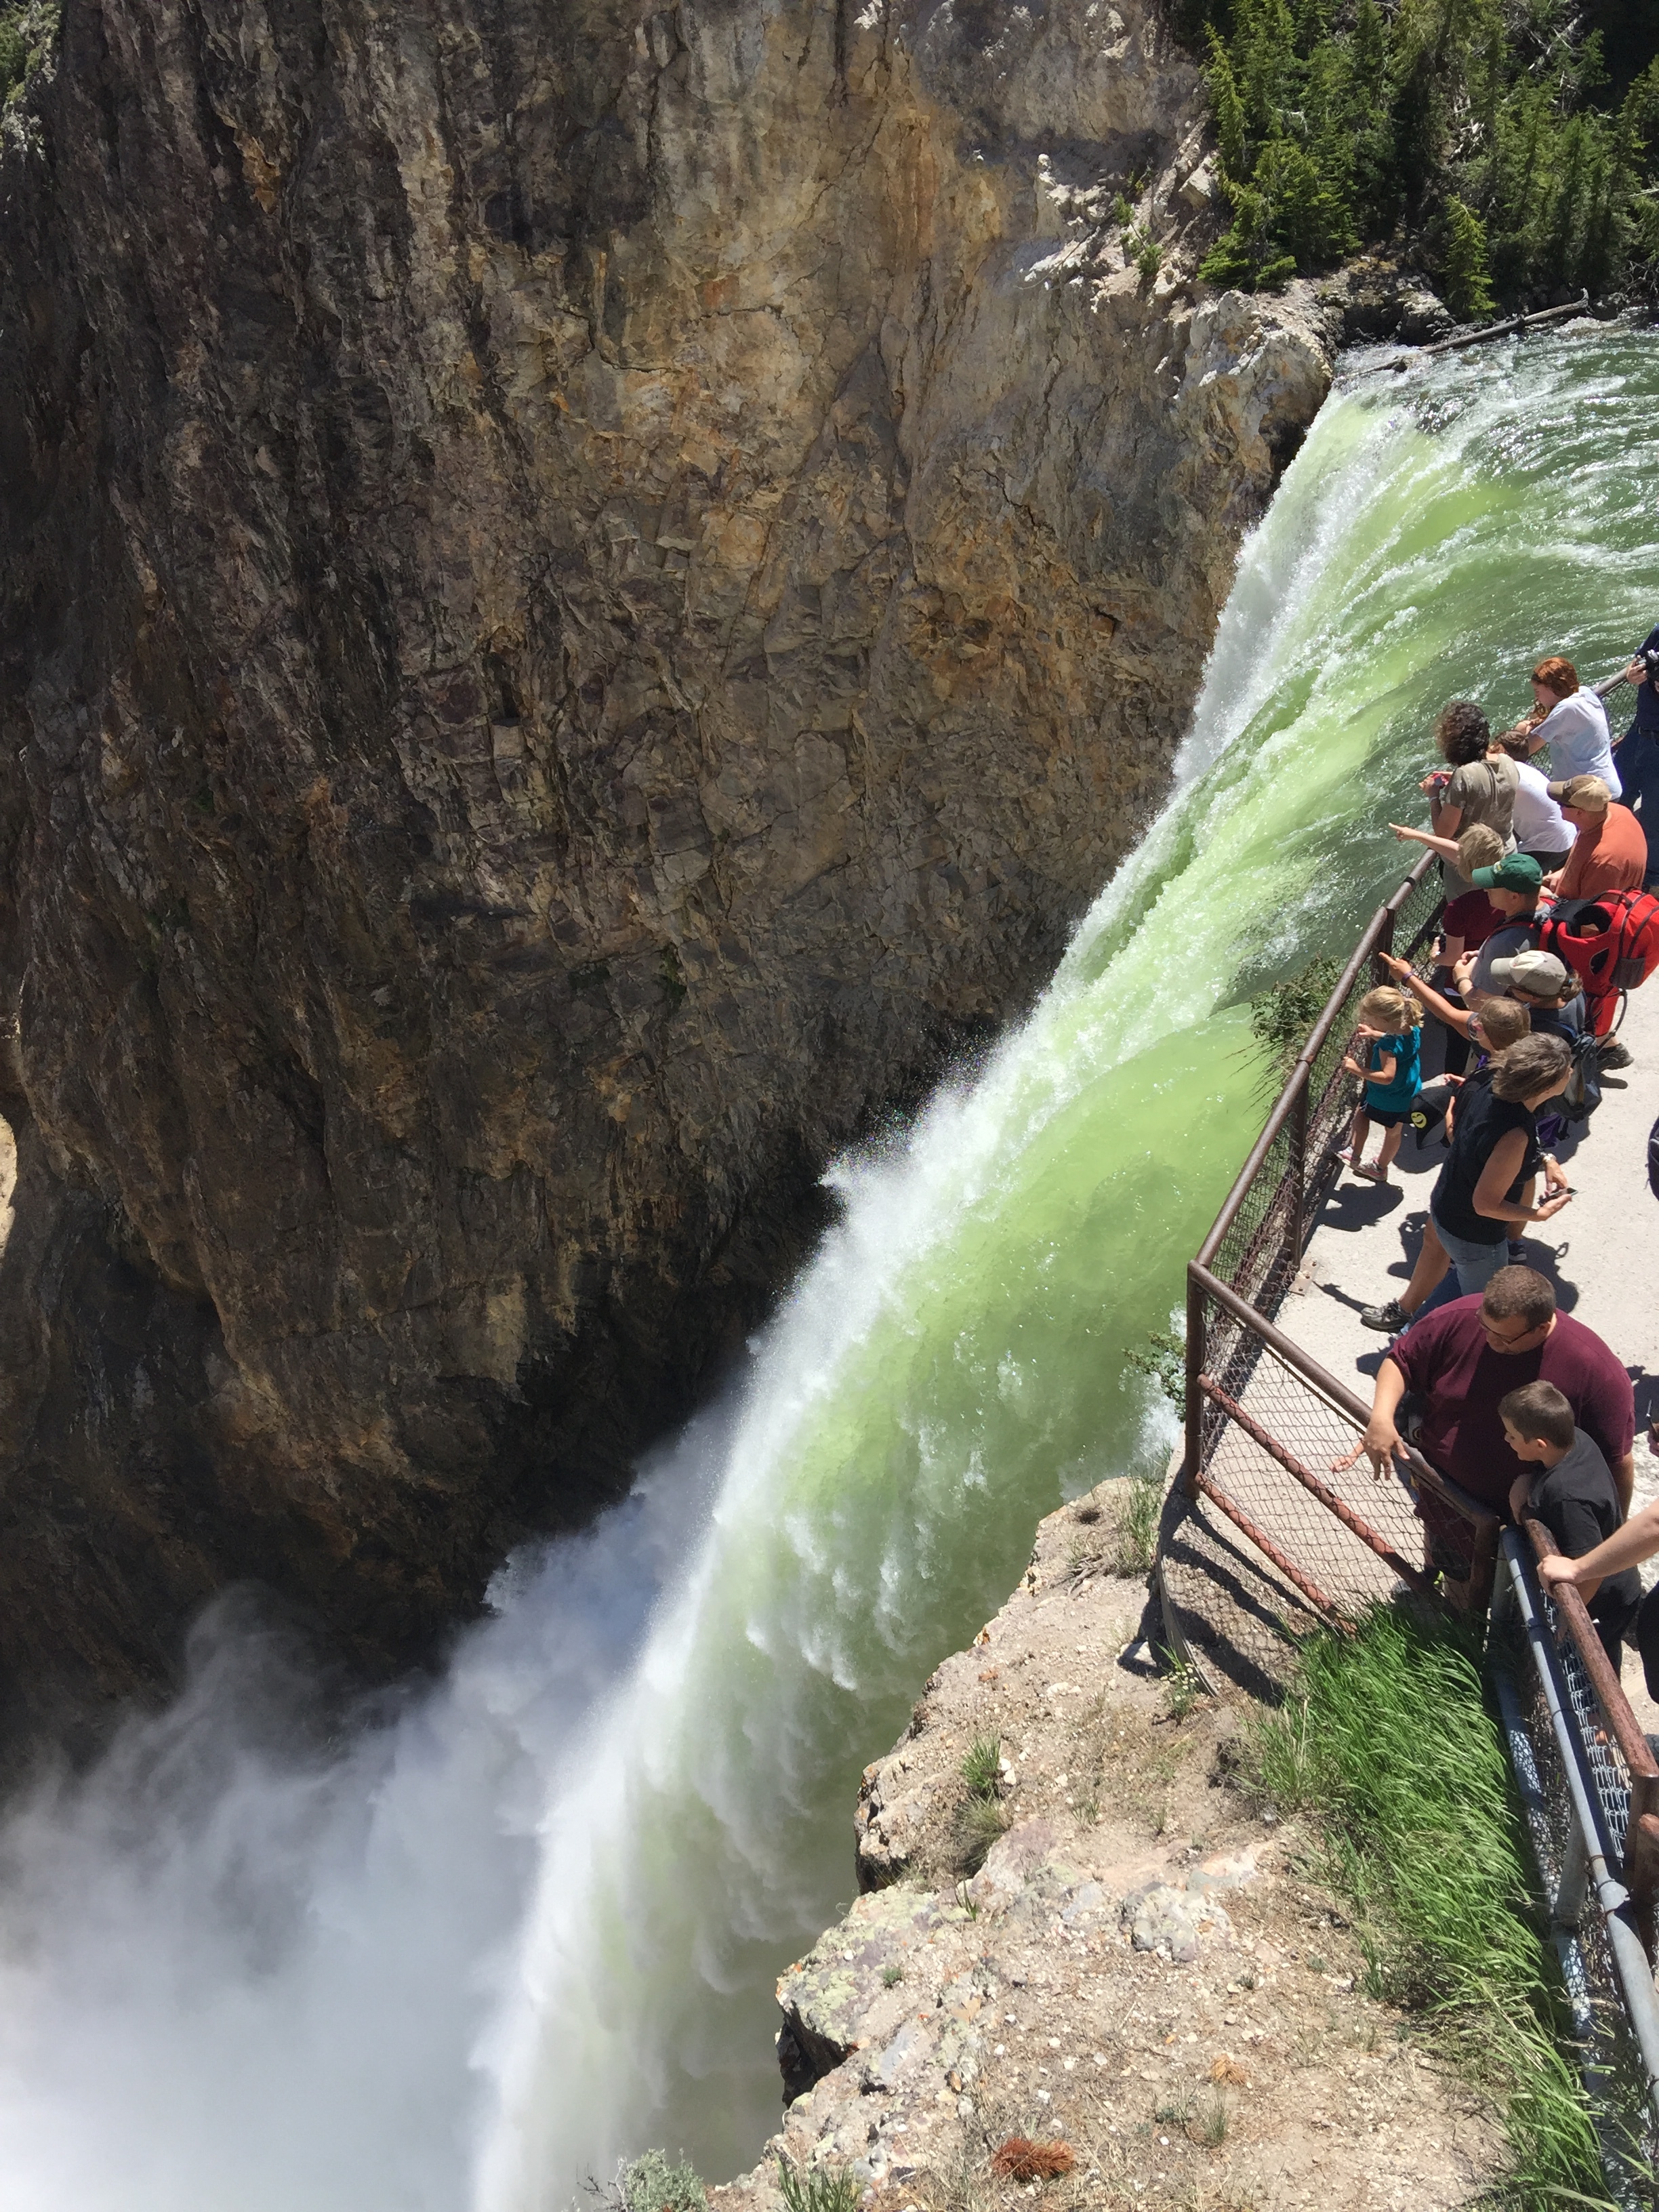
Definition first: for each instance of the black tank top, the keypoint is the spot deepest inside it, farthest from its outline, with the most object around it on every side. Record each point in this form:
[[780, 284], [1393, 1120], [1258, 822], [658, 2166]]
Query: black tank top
[[1482, 1120]]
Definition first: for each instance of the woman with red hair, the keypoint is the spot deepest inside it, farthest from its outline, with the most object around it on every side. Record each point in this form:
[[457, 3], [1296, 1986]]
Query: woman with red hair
[[1572, 722]]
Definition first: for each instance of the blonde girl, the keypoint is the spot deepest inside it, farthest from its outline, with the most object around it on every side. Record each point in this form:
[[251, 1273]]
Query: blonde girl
[[1390, 1023]]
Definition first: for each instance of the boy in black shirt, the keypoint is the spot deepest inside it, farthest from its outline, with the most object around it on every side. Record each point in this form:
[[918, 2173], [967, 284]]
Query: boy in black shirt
[[1571, 1492]]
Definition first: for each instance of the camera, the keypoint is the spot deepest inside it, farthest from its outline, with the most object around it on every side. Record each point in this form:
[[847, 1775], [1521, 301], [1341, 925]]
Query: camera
[[1649, 657]]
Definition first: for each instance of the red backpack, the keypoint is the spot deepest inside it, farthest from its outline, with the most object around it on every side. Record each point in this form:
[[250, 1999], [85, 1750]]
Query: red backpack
[[1610, 944]]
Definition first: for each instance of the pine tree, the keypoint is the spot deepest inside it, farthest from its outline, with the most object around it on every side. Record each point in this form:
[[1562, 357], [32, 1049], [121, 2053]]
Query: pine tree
[[1463, 270], [1228, 111]]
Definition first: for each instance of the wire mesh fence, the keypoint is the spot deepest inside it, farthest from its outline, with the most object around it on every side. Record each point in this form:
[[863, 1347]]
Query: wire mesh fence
[[1587, 1781]]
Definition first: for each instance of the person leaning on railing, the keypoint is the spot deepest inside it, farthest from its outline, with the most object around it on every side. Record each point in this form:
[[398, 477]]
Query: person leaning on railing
[[1566, 1484], [1477, 784], [1439, 1388], [1628, 1547], [1466, 921], [1611, 853], [1540, 827], [1571, 721]]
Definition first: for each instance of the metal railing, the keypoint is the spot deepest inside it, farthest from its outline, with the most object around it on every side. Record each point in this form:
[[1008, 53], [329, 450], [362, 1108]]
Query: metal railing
[[1590, 1789], [1255, 1401]]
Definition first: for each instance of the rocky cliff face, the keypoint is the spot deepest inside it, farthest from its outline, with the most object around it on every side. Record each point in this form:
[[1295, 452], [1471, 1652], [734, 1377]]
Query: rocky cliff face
[[584, 594]]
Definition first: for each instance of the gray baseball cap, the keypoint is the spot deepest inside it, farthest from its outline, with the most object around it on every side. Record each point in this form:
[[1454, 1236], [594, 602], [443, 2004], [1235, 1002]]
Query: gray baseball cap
[[1541, 972]]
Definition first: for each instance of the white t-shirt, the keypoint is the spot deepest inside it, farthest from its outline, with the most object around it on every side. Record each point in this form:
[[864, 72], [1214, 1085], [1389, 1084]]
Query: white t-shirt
[[1575, 732], [1540, 826]]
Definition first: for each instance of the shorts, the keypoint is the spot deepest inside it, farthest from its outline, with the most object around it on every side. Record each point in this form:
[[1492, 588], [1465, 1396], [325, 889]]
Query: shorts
[[1386, 1117], [1476, 1263]]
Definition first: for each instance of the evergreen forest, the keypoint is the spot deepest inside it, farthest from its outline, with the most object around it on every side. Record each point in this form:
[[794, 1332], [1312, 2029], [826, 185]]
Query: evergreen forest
[[1510, 147]]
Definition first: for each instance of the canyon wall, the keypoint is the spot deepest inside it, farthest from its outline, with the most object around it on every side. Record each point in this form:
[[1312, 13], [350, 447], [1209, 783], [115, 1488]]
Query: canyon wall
[[585, 594]]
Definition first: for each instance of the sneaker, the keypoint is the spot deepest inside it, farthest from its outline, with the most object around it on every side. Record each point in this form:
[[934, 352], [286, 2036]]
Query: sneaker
[[1390, 1317], [1613, 1054]]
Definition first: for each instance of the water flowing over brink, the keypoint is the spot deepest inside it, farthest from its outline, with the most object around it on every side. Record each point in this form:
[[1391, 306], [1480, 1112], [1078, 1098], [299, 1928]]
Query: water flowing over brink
[[529, 1920]]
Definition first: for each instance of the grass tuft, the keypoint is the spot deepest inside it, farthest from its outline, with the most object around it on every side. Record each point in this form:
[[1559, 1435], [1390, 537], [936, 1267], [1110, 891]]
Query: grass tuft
[[1388, 1745], [819, 2189], [979, 1763], [1141, 1501], [979, 1822], [1211, 2121]]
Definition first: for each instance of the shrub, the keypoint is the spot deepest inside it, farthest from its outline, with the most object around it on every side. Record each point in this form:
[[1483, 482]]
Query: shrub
[[1283, 1015], [650, 2183]]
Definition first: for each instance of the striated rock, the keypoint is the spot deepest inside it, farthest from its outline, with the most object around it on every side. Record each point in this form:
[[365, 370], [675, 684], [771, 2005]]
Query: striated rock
[[585, 596]]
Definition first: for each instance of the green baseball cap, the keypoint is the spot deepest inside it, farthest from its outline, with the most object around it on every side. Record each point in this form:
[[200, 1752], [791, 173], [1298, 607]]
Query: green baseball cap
[[1516, 871]]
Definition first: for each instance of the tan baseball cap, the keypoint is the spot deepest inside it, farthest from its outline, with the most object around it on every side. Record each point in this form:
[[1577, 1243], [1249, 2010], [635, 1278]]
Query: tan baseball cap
[[1586, 791]]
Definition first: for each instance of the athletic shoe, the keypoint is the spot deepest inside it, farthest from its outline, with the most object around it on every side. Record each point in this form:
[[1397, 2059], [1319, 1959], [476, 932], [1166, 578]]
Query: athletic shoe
[[1390, 1317], [1612, 1054]]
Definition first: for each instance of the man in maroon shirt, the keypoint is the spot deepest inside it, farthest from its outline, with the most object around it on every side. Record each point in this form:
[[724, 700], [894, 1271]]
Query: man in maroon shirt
[[1460, 1360]]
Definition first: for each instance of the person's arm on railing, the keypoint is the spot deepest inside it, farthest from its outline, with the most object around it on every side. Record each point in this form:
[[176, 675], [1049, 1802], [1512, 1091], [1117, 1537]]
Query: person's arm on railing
[[1381, 1438], [1446, 847], [1628, 1547]]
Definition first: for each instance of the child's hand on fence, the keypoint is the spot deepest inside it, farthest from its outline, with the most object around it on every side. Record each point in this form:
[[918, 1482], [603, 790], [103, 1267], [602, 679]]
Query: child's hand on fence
[[1352, 1065]]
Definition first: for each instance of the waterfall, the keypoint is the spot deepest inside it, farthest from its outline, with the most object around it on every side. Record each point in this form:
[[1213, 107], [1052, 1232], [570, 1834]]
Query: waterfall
[[523, 1920]]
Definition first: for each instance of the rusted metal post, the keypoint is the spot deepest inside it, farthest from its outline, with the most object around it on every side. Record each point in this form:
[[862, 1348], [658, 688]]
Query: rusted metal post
[[1385, 944], [1296, 1173], [1196, 1316]]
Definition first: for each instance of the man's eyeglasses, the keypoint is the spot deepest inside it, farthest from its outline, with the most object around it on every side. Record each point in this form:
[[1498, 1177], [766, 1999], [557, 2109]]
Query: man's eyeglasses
[[1512, 1331]]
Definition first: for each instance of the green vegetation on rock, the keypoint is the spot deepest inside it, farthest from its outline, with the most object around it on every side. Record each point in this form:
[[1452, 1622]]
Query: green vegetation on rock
[[653, 2183], [1387, 1742], [27, 32], [1485, 137], [824, 2189]]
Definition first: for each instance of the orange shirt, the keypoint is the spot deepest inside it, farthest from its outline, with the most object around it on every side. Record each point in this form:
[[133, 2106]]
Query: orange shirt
[[1610, 855]]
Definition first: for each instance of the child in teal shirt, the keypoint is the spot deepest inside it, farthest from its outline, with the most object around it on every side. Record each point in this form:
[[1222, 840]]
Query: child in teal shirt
[[1390, 1023]]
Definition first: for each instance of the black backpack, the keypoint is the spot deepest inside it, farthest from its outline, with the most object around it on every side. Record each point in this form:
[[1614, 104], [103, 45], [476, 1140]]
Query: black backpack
[[1583, 1093]]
